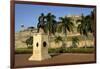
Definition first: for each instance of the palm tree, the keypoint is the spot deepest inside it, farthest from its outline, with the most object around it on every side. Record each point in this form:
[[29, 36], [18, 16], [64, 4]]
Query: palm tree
[[58, 39], [75, 41], [90, 19], [83, 27], [66, 25], [91, 22], [51, 24]]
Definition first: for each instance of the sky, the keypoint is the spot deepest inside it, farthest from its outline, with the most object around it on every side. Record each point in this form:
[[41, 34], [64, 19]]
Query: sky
[[27, 14]]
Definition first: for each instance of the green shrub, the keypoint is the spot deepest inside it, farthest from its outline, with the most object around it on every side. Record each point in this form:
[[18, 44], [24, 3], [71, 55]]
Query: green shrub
[[75, 42], [62, 50], [29, 41], [57, 50]]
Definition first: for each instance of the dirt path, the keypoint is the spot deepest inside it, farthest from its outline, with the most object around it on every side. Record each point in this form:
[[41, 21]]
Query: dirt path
[[66, 58]]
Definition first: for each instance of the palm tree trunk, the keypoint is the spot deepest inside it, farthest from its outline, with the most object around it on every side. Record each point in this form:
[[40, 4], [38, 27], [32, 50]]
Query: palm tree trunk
[[49, 38], [58, 44], [85, 41], [65, 40]]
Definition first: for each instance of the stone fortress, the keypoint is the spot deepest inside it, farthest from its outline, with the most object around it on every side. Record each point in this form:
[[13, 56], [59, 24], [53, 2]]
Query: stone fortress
[[20, 37]]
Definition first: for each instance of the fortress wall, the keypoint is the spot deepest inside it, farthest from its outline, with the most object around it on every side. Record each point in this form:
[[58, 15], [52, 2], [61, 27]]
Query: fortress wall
[[69, 44]]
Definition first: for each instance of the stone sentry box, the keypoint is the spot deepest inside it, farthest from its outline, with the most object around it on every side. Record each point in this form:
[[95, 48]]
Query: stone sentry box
[[40, 47]]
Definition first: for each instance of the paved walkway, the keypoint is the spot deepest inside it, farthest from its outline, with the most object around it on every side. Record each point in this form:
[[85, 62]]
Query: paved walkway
[[65, 58]]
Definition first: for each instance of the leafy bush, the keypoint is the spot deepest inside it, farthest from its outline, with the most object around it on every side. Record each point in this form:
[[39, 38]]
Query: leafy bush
[[75, 41], [29, 41], [62, 50]]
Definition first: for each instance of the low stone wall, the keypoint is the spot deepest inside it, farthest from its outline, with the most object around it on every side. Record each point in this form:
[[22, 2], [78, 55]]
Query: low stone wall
[[21, 37], [69, 44], [19, 44], [52, 44]]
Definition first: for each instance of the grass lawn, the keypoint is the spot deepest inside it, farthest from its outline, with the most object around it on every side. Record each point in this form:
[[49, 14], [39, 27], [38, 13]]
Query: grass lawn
[[57, 50], [23, 51]]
